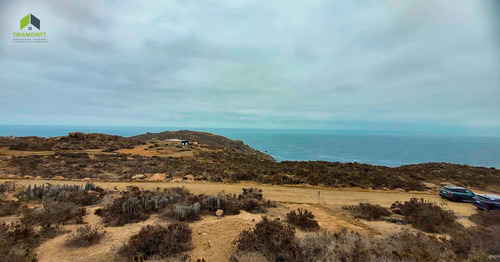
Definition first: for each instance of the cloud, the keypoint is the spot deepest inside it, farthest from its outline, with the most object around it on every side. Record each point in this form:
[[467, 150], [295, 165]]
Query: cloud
[[262, 64]]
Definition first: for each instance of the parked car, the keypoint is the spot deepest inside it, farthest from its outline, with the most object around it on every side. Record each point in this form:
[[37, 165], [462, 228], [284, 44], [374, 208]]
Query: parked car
[[456, 193], [487, 202]]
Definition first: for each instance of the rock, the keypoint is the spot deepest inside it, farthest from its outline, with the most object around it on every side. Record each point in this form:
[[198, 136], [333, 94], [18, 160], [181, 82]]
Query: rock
[[209, 244], [78, 135], [189, 177], [12, 176], [38, 177], [158, 177], [59, 178], [176, 180], [219, 212], [86, 179], [399, 190], [28, 177], [138, 177]]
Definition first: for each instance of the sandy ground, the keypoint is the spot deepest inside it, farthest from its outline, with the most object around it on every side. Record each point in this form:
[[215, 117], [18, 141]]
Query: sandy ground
[[215, 238]]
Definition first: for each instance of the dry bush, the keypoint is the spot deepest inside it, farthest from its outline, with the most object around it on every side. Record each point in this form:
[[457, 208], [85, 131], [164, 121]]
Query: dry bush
[[407, 246], [302, 219], [273, 239], [426, 216], [18, 242], [246, 256], [184, 213], [351, 246], [477, 241], [7, 187], [340, 246], [367, 211], [85, 236], [158, 241], [54, 214], [252, 200], [8, 208], [486, 218]]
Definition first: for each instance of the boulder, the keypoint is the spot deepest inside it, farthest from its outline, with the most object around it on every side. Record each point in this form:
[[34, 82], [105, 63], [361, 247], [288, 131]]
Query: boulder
[[28, 177], [189, 177], [219, 212], [138, 177], [38, 177], [158, 177], [177, 179], [78, 135], [59, 178]]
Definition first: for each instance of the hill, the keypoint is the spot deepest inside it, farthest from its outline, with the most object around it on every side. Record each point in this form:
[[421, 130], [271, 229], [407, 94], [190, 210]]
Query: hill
[[214, 158]]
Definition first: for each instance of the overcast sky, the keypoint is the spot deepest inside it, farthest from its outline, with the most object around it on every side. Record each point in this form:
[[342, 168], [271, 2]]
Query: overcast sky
[[403, 66]]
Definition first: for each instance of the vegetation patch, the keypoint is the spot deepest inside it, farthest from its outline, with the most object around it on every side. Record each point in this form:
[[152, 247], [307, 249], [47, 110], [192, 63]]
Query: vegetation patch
[[486, 218], [158, 241], [85, 236], [426, 216], [367, 211], [302, 219], [273, 239], [87, 194], [18, 242], [54, 213]]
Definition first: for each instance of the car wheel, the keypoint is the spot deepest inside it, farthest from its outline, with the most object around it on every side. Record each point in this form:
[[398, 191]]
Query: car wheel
[[455, 199]]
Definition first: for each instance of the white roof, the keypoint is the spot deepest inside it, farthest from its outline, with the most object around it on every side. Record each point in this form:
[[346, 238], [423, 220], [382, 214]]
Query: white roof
[[175, 140]]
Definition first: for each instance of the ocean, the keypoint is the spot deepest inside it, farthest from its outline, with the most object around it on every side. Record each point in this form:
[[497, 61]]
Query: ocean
[[326, 145]]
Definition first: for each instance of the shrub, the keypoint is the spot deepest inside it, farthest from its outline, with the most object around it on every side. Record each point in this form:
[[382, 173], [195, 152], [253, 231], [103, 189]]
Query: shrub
[[158, 241], [87, 194], [8, 208], [367, 211], [273, 239], [351, 246], [54, 213], [426, 216], [136, 205], [85, 236], [228, 203], [486, 218], [475, 241], [18, 242], [302, 219], [252, 200], [7, 187], [184, 213]]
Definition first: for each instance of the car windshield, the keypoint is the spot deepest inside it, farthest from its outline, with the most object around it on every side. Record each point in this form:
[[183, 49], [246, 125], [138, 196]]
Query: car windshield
[[458, 190]]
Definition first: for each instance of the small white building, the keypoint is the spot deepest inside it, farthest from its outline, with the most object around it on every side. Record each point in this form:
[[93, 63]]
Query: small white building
[[174, 141]]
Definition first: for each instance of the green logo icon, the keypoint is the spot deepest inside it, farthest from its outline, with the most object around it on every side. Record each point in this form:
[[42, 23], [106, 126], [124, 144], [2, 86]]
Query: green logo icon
[[30, 19]]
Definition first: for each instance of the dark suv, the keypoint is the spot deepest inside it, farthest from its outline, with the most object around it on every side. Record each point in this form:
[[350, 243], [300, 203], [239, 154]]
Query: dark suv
[[456, 193]]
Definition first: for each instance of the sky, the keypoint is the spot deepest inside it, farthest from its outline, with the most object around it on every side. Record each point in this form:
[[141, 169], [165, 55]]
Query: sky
[[399, 66]]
